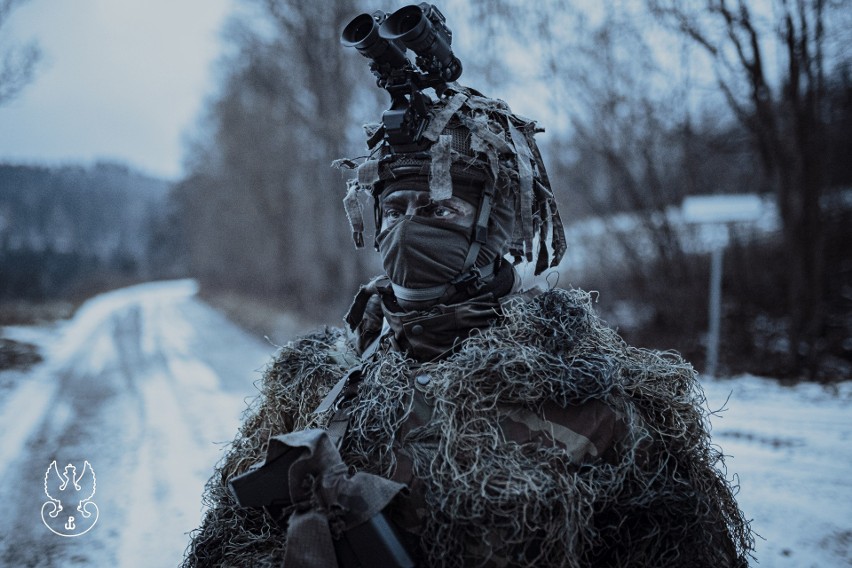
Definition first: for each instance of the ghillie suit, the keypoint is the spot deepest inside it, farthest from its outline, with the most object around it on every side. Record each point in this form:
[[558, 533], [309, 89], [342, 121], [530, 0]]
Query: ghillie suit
[[653, 497]]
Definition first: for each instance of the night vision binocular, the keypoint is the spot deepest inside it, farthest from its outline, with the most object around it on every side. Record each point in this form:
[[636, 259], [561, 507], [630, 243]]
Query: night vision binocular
[[420, 27], [384, 39]]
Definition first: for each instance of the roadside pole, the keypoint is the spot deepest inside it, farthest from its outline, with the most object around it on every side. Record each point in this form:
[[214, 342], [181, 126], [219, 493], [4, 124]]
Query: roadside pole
[[713, 214], [715, 310]]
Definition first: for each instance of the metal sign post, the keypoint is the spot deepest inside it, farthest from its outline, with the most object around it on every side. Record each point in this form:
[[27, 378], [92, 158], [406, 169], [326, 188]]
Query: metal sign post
[[713, 213], [715, 310]]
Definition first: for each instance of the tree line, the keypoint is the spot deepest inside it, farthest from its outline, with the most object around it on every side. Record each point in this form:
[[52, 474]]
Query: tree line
[[261, 206], [666, 99], [645, 103], [66, 232], [69, 232]]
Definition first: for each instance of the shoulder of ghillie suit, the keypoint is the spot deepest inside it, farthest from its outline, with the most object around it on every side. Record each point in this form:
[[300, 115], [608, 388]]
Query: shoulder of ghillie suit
[[663, 502]]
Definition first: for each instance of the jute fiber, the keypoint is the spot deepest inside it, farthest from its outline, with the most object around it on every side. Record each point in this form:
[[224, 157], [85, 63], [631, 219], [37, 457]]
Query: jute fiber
[[663, 501]]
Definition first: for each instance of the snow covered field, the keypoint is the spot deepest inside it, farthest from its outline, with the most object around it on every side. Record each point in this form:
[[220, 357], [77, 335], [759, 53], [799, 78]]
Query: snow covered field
[[146, 383], [791, 448]]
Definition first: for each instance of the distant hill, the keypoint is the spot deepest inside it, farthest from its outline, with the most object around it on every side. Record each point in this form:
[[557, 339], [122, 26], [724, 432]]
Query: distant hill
[[62, 225]]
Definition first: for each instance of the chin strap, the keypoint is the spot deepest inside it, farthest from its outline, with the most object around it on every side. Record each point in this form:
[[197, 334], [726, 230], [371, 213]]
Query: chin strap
[[435, 292], [419, 294]]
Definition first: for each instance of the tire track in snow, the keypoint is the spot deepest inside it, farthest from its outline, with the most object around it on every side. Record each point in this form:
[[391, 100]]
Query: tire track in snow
[[129, 388]]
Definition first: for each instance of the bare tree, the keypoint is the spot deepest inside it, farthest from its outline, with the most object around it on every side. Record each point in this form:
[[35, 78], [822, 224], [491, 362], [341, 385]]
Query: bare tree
[[786, 116], [639, 138], [262, 203], [624, 141], [17, 64]]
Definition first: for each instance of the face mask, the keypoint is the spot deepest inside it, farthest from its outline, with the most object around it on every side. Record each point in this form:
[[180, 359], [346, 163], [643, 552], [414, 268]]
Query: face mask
[[423, 253]]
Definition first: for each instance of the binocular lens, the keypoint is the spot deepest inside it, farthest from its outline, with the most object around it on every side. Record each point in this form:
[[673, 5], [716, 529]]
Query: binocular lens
[[359, 30], [407, 24], [362, 33], [413, 28]]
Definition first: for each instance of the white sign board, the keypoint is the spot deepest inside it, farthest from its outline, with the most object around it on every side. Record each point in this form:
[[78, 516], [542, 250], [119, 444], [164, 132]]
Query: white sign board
[[722, 208], [713, 236]]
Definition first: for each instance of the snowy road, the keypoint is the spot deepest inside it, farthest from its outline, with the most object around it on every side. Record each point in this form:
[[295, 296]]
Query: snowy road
[[146, 383]]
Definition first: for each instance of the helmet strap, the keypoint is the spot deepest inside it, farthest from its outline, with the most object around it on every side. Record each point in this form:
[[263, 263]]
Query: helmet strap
[[480, 235]]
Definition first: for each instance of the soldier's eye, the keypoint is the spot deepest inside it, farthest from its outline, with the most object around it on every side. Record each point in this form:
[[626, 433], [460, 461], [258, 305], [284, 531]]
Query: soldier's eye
[[442, 212]]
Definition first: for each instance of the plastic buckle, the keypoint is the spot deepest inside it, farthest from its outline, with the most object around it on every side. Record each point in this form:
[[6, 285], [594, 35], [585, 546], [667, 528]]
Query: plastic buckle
[[480, 233], [471, 275]]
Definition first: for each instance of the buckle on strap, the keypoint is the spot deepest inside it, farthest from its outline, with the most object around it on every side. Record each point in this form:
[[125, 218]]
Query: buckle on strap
[[474, 274]]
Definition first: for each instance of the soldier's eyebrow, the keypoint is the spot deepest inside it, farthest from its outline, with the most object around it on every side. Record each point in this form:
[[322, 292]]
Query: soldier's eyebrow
[[403, 198], [394, 199]]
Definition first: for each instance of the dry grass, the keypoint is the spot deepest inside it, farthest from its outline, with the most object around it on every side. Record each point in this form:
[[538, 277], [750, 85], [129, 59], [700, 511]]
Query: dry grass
[[25, 312], [262, 318]]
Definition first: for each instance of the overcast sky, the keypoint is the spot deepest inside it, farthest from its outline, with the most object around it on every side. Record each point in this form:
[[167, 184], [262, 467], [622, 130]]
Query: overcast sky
[[119, 80]]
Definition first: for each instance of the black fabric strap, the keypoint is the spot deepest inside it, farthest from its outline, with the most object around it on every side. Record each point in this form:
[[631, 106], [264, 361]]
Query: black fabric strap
[[338, 426], [480, 232], [339, 423]]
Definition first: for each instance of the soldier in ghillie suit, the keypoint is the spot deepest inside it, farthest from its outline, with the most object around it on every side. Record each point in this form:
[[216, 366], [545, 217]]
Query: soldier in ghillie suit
[[457, 419]]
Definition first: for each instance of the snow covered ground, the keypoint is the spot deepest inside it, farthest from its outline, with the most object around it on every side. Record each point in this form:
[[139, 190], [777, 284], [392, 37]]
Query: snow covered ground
[[146, 383], [791, 448]]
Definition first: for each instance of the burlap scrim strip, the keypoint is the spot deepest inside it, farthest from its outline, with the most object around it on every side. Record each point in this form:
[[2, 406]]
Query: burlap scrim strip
[[524, 158], [440, 120], [354, 212], [368, 173], [479, 127], [440, 180]]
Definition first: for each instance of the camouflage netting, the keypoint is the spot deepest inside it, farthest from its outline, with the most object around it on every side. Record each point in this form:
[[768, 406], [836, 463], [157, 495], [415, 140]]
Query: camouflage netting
[[663, 502]]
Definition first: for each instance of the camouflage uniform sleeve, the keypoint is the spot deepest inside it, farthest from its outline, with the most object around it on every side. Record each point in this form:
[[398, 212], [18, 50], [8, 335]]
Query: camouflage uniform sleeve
[[587, 431]]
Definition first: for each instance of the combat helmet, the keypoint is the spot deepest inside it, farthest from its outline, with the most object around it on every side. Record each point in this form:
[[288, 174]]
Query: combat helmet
[[464, 143]]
